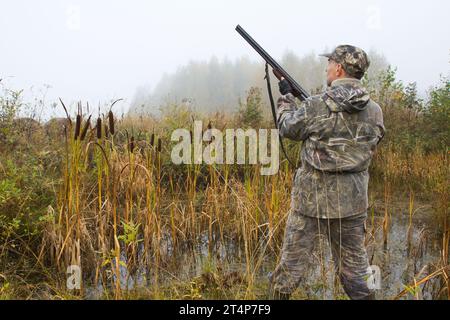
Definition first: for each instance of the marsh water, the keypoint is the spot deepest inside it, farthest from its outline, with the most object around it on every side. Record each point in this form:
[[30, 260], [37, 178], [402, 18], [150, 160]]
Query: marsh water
[[411, 252]]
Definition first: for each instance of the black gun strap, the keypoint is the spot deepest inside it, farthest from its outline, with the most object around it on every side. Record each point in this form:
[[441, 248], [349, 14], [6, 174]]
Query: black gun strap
[[274, 114]]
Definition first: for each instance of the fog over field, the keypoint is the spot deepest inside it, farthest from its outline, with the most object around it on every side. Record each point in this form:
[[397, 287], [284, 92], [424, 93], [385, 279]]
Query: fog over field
[[101, 50]]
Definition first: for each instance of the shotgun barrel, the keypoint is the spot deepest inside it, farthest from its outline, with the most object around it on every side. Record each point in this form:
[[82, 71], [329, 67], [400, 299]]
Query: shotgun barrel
[[298, 91]]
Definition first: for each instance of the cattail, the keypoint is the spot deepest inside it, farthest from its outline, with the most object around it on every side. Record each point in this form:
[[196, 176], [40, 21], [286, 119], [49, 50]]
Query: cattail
[[85, 128], [192, 136], [111, 122], [132, 144], [77, 127], [152, 140], [99, 128], [159, 145]]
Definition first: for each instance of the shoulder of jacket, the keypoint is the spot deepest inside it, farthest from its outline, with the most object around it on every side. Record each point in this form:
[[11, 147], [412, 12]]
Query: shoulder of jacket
[[315, 101], [317, 104], [375, 106]]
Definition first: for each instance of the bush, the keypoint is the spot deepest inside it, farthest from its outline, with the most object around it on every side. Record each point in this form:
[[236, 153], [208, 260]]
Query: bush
[[250, 114], [437, 118]]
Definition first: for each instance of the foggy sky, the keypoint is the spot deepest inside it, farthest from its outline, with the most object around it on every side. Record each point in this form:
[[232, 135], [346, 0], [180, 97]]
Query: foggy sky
[[100, 50]]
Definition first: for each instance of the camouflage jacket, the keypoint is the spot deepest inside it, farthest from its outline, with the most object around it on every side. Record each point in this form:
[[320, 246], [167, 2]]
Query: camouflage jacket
[[340, 130]]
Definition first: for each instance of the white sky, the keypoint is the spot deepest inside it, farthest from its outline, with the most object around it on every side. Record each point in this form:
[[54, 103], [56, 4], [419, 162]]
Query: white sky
[[103, 49]]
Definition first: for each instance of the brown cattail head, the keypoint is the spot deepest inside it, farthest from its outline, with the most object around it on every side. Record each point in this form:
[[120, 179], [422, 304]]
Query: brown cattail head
[[99, 128], [132, 145], [77, 127], [152, 140], [111, 123], [192, 136], [85, 129], [159, 145]]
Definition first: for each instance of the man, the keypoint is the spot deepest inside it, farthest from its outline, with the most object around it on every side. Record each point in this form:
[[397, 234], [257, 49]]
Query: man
[[340, 130]]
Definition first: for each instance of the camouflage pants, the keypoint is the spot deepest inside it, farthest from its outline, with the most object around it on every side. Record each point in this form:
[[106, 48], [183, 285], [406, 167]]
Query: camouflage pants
[[346, 237]]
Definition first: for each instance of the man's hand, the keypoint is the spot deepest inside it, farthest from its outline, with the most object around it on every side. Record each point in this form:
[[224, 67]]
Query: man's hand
[[284, 85]]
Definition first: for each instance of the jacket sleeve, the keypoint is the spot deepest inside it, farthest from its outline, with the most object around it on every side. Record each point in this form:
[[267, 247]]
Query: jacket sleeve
[[380, 124], [292, 120]]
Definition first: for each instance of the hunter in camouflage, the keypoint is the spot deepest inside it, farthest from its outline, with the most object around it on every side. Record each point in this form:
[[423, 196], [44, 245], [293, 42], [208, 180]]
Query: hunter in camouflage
[[340, 130]]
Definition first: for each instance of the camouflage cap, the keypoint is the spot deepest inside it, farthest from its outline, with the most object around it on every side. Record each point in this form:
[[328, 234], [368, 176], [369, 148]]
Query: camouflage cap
[[354, 60]]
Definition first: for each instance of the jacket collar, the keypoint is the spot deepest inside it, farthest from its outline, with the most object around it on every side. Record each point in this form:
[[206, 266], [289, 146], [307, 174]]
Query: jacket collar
[[344, 81]]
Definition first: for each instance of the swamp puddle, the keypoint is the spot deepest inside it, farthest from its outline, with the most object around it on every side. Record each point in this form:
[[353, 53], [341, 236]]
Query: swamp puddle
[[411, 254]]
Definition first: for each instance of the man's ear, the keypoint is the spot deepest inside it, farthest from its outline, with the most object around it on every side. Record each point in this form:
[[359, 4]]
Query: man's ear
[[340, 69]]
